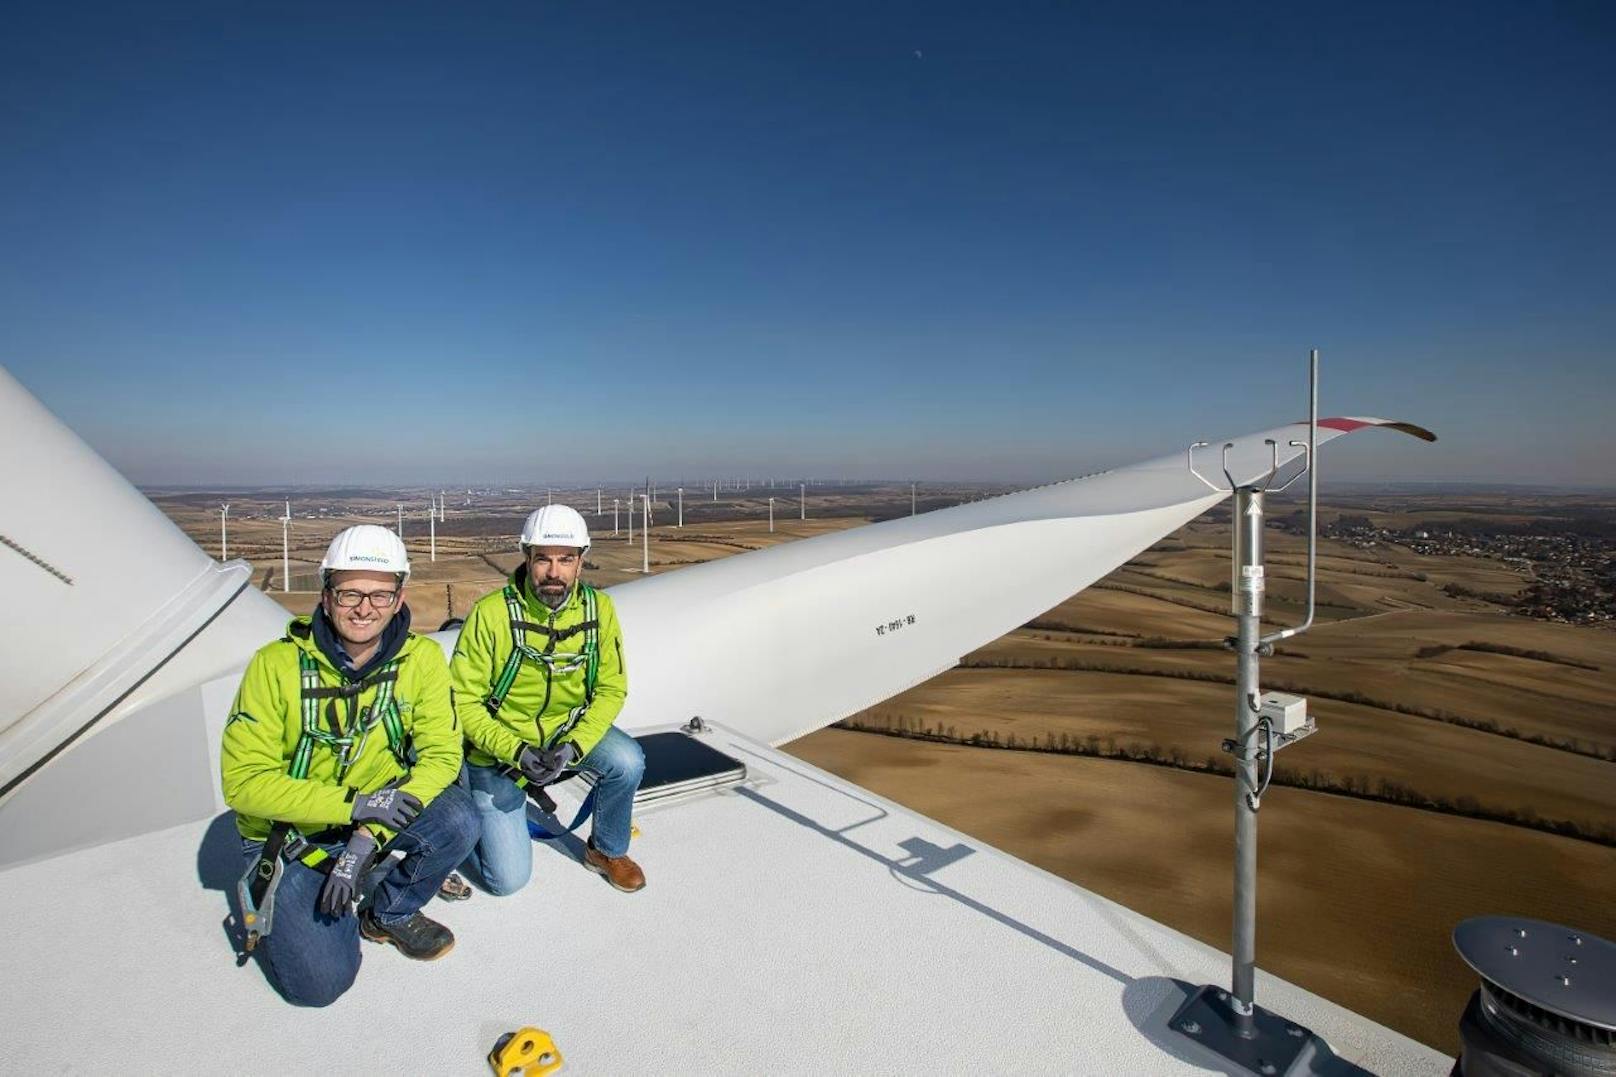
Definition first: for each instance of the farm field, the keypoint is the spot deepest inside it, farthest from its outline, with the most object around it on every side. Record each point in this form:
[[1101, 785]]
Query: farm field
[[1504, 725]]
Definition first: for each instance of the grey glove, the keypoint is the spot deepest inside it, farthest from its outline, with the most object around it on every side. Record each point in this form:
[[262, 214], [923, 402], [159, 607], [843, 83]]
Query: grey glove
[[392, 808], [342, 885], [540, 766]]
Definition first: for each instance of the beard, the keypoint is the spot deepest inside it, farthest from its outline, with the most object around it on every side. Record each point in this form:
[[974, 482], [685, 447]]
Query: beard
[[554, 599]]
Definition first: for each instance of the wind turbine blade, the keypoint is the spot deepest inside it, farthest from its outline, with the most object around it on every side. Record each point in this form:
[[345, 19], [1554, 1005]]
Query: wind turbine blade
[[812, 631]]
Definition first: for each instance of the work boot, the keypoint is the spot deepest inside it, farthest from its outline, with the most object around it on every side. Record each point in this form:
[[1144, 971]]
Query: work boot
[[623, 873], [419, 937]]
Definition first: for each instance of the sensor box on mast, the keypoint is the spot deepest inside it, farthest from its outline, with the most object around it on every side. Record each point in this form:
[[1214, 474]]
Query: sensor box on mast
[[1286, 714]]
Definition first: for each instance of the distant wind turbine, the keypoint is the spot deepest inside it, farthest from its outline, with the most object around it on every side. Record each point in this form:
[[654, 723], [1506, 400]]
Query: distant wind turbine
[[286, 553]]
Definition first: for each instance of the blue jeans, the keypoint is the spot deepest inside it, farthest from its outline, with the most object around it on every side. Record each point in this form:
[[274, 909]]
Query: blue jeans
[[312, 958], [502, 861]]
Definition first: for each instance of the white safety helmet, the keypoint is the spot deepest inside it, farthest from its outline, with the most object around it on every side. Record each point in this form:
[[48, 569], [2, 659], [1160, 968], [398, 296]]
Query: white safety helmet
[[555, 525], [367, 546]]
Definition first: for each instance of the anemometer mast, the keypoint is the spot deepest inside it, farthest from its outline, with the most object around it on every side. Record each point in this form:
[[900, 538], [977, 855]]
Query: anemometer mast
[[1229, 1022]]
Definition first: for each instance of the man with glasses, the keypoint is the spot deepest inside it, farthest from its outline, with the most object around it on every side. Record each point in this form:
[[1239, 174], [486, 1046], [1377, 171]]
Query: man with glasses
[[342, 746], [538, 681]]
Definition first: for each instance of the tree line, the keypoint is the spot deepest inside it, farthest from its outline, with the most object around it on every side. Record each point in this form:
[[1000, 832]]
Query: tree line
[[1356, 786], [1589, 749]]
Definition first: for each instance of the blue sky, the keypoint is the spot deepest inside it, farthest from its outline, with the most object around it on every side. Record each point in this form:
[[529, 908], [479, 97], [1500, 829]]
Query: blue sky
[[551, 242]]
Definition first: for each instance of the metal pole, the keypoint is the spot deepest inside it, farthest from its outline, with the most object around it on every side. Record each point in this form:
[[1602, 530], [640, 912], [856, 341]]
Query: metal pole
[[645, 537], [1230, 1023], [681, 506], [1248, 603], [1312, 500]]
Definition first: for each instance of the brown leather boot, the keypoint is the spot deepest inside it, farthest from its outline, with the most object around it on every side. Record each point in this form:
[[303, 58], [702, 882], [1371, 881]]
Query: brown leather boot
[[620, 871]]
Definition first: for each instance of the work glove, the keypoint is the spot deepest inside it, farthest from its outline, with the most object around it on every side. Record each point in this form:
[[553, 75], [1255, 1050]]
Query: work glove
[[391, 808], [342, 885], [540, 766]]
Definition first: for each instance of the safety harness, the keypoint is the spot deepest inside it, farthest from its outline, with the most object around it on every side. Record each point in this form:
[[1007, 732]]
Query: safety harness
[[341, 737], [554, 662], [346, 740]]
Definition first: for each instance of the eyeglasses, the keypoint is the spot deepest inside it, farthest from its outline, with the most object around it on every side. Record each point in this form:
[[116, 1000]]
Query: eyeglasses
[[380, 600]]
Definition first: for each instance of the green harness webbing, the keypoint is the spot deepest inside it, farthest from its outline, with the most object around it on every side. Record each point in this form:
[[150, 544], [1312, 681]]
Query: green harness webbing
[[347, 741], [340, 739], [588, 659]]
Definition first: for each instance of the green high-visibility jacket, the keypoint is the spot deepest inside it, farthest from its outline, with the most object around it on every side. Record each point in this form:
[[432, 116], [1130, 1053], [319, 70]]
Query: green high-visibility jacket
[[538, 709], [266, 723]]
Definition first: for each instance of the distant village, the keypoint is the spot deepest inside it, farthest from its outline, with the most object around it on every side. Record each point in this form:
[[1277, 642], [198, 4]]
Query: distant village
[[1571, 578]]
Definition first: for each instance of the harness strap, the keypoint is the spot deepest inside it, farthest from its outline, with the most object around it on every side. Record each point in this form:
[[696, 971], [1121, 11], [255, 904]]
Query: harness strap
[[386, 675], [383, 708], [558, 634], [263, 874], [534, 830], [288, 844], [589, 659], [542, 799], [513, 661], [309, 676], [591, 644], [292, 844]]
